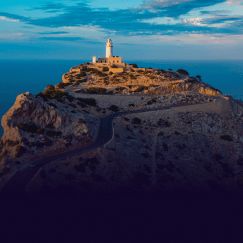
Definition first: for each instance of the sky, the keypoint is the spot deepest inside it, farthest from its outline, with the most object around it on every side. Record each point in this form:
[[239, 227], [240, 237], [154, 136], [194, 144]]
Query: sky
[[140, 29]]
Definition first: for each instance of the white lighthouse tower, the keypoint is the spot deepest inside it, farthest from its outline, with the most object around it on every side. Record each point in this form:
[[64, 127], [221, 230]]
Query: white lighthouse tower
[[109, 48], [115, 63]]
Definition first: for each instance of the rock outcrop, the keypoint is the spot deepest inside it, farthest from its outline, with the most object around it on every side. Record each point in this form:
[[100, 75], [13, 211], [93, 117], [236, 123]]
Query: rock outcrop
[[34, 125], [90, 79]]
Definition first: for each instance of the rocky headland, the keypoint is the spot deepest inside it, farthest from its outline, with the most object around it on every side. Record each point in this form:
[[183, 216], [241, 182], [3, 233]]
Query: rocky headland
[[140, 129]]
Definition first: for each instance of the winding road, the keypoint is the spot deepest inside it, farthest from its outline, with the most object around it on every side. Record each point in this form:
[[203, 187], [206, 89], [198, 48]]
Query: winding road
[[19, 181]]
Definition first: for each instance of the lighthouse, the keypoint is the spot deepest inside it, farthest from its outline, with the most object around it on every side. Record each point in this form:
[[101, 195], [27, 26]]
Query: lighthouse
[[109, 48], [109, 60]]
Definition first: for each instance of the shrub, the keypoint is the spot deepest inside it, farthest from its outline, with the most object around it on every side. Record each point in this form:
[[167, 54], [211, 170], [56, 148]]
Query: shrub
[[120, 89], [183, 72], [52, 133], [227, 138], [87, 102], [131, 76], [192, 80], [11, 143], [30, 127], [199, 77], [114, 108], [62, 85], [136, 121], [20, 150], [82, 80], [82, 74], [140, 89], [54, 94], [153, 101], [160, 134], [92, 163], [49, 88], [84, 68], [134, 65], [163, 123], [97, 90], [177, 133]]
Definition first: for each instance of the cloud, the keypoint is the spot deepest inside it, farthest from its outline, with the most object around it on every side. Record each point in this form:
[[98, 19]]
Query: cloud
[[13, 17], [61, 38], [178, 7], [194, 21], [153, 17], [53, 33], [162, 3], [10, 36], [7, 19], [235, 2]]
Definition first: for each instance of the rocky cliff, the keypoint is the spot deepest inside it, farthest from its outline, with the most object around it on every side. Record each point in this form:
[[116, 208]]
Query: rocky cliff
[[141, 129]]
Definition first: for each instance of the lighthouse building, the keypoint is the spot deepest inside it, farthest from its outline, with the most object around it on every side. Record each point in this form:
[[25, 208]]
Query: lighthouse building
[[109, 59]]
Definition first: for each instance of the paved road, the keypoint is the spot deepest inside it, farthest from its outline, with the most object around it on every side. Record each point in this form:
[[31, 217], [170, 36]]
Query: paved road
[[22, 177]]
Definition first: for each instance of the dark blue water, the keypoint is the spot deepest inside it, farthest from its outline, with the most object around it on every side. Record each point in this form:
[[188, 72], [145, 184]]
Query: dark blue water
[[32, 76], [21, 76]]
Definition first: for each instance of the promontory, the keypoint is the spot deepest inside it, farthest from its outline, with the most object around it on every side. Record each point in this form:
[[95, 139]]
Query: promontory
[[105, 128]]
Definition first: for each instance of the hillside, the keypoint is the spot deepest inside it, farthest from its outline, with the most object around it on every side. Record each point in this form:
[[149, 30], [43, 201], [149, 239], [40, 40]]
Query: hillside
[[140, 129]]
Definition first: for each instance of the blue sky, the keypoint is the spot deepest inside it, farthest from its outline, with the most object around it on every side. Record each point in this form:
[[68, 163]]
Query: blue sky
[[140, 29]]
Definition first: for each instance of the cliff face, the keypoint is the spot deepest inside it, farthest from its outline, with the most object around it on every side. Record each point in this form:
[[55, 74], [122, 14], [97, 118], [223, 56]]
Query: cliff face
[[34, 125], [140, 129]]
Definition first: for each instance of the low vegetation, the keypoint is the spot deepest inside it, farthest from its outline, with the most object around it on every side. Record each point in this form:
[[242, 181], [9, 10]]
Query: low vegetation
[[96, 90], [87, 102], [136, 121], [31, 128], [114, 108], [227, 138], [183, 72]]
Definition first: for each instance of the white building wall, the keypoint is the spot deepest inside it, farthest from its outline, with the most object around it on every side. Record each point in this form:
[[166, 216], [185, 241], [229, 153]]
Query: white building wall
[[109, 48], [94, 59]]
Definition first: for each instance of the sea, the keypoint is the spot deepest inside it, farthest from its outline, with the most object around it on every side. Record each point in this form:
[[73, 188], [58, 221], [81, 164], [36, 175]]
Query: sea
[[18, 76]]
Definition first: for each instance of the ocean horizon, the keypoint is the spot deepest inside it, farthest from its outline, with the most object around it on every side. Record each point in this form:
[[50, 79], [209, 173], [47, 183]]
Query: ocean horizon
[[19, 76]]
